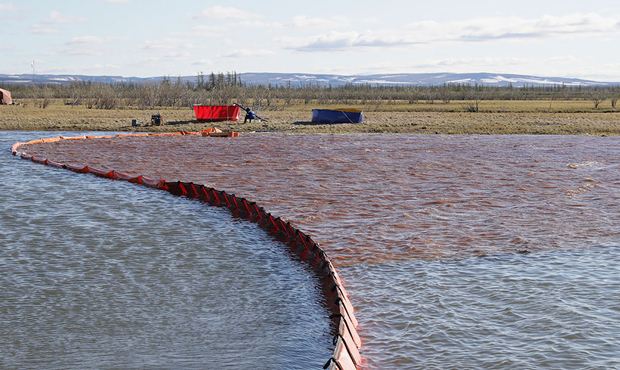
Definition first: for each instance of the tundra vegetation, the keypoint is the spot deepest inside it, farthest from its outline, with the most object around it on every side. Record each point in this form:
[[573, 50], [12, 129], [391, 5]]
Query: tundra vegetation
[[451, 109]]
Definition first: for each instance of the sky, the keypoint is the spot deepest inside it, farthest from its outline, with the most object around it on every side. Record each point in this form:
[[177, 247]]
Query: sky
[[568, 38]]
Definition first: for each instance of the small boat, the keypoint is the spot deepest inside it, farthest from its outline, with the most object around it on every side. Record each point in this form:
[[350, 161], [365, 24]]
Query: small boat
[[344, 115], [215, 113]]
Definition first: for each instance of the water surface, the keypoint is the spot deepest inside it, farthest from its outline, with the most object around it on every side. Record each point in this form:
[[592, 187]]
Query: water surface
[[551, 310], [426, 232], [103, 274], [374, 198]]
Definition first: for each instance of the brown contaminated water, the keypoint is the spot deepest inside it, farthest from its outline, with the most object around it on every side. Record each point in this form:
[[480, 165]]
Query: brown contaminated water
[[389, 197], [386, 200]]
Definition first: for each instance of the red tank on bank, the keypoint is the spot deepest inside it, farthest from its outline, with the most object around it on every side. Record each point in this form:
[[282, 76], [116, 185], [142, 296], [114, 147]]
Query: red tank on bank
[[214, 113]]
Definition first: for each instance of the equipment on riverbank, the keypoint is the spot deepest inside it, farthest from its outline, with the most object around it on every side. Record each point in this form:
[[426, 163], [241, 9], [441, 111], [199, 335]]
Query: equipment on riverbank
[[250, 114], [344, 115], [5, 97], [216, 113], [156, 119]]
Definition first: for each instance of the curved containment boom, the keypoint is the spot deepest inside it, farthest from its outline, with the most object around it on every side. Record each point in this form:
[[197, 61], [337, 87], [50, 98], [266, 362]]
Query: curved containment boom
[[347, 342]]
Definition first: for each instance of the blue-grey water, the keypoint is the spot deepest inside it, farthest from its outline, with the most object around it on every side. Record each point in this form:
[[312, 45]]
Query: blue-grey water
[[556, 309], [103, 274]]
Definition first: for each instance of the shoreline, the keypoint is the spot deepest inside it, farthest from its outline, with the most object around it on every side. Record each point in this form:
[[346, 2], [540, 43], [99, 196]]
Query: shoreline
[[497, 118]]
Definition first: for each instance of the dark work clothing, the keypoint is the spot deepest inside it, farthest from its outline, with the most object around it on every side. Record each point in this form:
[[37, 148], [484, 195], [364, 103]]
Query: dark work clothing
[[249, 115]]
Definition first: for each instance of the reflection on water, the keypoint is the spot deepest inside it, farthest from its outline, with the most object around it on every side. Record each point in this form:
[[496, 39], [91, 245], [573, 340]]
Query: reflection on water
[[102, 274], [379, 204]]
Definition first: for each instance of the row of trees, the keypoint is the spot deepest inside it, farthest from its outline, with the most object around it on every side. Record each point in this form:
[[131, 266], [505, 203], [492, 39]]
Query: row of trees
[[228, 88]]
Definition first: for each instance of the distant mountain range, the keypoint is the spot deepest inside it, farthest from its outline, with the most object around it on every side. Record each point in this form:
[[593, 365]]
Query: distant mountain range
[[304, 79]]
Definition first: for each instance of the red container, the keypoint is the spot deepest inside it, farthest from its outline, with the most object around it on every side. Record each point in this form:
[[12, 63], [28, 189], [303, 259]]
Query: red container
[[216, 112]]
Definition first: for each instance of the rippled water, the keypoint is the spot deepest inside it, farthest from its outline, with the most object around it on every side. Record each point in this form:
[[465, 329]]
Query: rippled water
[[553, 309], [102, 274], [387, 207], [391, 197]]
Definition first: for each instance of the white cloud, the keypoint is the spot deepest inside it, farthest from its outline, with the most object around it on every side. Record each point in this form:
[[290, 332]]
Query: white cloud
[[177, 54], [166, 43], [310, 22], [117, 1], [81, 51], [84, 46], [474, 30], [340, 41], [52, 22], [57, 17], [7, 7], [168, 48], [202, 62], [227, 13], [226, 17], [607, 72], [10, 12], [85, 40], [485, 29], [246, 53], [103, 67], [7, 47], [168, 57], [206, 30], [42, 29]]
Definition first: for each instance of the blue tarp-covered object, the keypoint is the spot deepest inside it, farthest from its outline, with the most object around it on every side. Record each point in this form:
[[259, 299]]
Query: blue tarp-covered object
[[337, 116]]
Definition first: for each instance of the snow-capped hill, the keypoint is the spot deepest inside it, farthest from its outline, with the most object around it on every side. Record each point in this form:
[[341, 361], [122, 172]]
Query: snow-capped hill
[[415, 79], [308, 79]]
